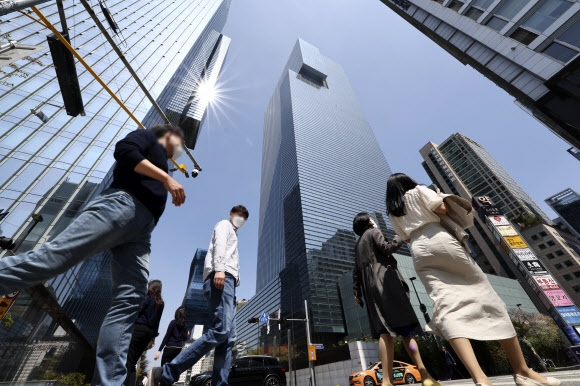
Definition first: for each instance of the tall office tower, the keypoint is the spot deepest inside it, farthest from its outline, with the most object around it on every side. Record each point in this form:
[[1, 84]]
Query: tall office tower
[[463, 167], [195, 302], [321, 165], [52, 164], [527, 47], [567, 205]]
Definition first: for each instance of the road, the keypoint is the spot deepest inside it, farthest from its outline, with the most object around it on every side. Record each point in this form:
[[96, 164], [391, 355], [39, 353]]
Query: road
[[568, 378]]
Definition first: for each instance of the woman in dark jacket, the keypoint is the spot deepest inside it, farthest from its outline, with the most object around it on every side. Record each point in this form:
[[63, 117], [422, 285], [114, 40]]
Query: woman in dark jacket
[[175, 337], [145, 330], [386, 294]]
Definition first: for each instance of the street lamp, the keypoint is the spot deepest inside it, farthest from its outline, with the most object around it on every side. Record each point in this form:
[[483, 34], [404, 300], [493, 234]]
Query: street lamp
[[422, 307]]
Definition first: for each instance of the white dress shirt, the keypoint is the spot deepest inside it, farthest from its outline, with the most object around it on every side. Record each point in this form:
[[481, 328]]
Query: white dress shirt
[[222, 254]]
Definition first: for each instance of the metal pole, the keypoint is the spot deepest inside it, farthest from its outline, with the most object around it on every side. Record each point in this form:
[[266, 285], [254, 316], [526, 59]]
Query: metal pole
[[7, 7], [309, 342], [62, 16], [290, 353]]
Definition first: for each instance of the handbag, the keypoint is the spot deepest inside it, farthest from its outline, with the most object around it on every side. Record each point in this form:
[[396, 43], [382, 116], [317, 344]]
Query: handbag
[[458, 218]]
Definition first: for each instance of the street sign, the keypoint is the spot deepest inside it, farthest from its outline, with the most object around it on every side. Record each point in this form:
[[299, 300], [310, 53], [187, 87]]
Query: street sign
[[265, 318], [320, 347], [5, 304], [570, 314], [312, 353]]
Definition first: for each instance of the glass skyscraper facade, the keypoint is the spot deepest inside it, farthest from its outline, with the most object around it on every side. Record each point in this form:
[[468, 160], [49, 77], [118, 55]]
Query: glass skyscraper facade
[[55, 165], [195, 302], [321, 166], [530, 48], [567, 205]]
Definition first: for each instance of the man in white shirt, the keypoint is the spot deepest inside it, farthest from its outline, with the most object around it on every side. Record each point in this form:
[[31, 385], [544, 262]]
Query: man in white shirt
[[221, 277]]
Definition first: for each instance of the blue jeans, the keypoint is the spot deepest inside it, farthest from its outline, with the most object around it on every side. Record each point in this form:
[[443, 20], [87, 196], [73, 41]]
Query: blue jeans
[[221, 335], [113, 221]]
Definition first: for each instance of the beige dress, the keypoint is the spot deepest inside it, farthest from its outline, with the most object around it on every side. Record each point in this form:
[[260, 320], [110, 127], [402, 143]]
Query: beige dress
[[466, 305]]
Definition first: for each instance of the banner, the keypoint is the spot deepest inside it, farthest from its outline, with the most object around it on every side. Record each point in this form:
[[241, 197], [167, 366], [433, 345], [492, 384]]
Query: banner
[[515, 242], [558, 298], [546, 282], [498, 220], [535, 267], [506, 230], [570, 314], [523, 254]]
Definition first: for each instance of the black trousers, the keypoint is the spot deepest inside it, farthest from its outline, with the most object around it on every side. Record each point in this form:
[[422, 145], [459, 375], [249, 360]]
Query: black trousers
[[169, 353], [142, 335]]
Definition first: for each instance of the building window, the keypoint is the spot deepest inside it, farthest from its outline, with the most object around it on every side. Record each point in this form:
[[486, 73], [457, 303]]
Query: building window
[[576, 288], [559, 252], [550, 256], [474, 13], [551, 243], [567, 45], [456, 5], [543, 234], [569, 263], [577, 273], [547, 14], [568, 277], [558, 266], [542, 246], [505, 13], [524, 36], [534, 237]]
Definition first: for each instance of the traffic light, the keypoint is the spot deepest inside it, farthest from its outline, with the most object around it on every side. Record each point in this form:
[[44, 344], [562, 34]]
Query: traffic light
[[254, 320]]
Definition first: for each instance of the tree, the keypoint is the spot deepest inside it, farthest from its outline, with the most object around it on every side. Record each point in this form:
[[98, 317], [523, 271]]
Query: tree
[[528, 220], [71, 379], [7, 321]]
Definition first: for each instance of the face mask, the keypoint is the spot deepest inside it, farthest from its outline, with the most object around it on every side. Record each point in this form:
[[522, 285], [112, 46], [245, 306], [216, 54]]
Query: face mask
[[178, 151], [238, 221]]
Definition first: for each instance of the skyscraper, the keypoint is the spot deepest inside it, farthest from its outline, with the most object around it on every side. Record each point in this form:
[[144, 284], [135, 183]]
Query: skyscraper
[[321, 165], [52, 164], [527, 47], [567, 205], [195, 302]]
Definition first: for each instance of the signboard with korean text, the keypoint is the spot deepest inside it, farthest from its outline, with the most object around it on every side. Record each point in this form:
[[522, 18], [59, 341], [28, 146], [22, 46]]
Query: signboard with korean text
[[506, 230], [535, 267], [570, 314], [546, 282], [515, 242], [524, 254], [498, 220], [504, 245], [558, 298], [312, 353]]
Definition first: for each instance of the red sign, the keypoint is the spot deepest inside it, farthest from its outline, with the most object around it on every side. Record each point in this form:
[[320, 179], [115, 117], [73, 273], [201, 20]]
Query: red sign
[[547, 283], [13, 295]]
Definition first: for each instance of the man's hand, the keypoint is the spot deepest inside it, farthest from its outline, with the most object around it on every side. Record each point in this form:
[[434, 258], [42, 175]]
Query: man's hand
[[219, 280], [157, 355], [175, 189]]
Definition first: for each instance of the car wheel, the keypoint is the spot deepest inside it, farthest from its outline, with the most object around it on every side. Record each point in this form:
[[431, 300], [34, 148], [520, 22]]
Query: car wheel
[[410, 379], [272, 380], [207, 383], [369, 381]]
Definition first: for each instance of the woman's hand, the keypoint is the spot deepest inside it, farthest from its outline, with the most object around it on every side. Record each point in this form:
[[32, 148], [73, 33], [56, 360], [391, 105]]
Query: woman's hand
[[157, 355]]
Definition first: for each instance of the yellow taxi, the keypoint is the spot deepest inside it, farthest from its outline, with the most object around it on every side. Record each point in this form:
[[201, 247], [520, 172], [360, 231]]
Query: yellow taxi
[[403, 373]]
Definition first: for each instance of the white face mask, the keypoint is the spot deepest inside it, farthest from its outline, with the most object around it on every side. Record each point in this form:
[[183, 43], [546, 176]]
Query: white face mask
[[178, 151], [238, 221]]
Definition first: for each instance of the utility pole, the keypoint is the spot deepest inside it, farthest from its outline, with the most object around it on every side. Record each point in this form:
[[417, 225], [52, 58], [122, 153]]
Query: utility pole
[[309, 343], [290, 353]]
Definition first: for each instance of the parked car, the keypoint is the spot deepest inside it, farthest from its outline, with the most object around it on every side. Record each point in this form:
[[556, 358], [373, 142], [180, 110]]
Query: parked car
[[403, 373], [253, 370]]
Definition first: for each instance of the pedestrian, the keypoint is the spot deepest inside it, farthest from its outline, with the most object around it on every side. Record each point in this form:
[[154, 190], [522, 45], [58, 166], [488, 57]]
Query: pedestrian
[[175, 337], [465, 304], [536, 362], [121, 220], [449, 362], [146, 329], [390, 313], [221, 276]]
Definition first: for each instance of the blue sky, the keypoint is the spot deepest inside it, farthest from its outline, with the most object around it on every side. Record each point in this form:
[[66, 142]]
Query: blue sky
[[411, 90]]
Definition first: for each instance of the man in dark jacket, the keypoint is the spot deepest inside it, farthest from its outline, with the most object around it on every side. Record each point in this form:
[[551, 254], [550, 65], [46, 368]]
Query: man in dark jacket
[[449, 362], [121, 220]]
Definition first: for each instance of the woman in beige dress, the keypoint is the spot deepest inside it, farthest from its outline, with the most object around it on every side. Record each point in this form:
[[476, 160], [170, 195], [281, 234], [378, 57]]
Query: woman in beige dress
[[466, 306]]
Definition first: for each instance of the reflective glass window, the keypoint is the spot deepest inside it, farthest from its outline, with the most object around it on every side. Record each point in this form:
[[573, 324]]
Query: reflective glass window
[[560, 52], [572, 35], [548, 13]]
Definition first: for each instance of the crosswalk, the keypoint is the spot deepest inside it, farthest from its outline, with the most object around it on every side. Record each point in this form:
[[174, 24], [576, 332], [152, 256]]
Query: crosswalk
[[568, 378]]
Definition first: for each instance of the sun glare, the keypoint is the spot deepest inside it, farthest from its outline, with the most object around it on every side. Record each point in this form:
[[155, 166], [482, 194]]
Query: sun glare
[[206, 92]]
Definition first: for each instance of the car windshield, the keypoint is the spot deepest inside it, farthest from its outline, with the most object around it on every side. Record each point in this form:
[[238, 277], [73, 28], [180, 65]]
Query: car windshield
[[372, 365]]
